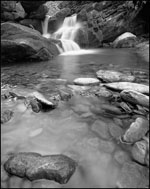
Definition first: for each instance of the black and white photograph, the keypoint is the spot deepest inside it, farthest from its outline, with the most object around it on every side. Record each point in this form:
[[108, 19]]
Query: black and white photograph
[[75, 94]]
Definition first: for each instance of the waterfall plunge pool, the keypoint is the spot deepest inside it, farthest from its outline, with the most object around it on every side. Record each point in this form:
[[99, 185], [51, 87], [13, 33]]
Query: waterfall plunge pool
[[71, 128]]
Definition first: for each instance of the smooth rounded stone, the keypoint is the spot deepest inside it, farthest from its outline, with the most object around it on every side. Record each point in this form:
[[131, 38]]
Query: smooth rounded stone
[[102, 91], [121, 156], [86, 81], [65, 94], [33, 166], [139, 150], [118, 121], [115, 130], [106, 146], [136, 131], [101, 128], [120, 86], [15, 182], [6, 116], [114, 76], [133, 175], [135, 97]]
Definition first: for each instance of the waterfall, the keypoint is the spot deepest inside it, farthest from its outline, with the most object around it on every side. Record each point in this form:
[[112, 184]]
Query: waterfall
[[45, 27], [66, 33]]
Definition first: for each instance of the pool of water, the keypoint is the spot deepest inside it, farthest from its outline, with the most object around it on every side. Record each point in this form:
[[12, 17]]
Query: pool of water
[[78, 128]]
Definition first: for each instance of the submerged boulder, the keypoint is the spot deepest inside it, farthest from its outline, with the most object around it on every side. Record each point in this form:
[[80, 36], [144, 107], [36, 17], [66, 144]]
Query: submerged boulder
[[20, 43], [125, 40], [33, 166], [6, 116], [133, 175]]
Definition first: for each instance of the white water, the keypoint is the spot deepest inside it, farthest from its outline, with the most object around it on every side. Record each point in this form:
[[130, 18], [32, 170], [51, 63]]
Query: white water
[[66, 33]]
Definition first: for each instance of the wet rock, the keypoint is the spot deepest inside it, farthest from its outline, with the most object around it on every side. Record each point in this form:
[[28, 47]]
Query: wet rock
[[106, 146], [103, 92], [39, 103], [115, 130], [135, 97], [33, 166], [133, 175], [125, 40], [136, 131], [121, 157], [120, 86], [114, 76], [139, 150], [101, 128], [29, 42], [6, 116], [86, 81], [65, 94]]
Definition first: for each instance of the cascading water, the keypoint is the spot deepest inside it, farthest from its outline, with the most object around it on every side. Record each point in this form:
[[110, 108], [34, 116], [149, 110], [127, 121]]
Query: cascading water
[[66, 33]]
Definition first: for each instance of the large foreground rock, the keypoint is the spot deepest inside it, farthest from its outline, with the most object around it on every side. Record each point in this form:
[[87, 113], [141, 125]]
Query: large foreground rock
[[34, 166], [20, 43]]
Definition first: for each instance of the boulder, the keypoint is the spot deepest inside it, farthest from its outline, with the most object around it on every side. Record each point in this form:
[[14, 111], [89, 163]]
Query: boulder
[[136, 131], [20, 43], [133, 175], [125, 40], [139, 151], [32, 23], [33, 166], [11, 11]]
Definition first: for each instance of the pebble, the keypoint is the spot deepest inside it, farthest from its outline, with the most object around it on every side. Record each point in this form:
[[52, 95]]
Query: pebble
[[35, 132]]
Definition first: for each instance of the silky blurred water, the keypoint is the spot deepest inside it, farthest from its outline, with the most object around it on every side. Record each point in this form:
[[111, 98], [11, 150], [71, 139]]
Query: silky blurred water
[[77, 128]]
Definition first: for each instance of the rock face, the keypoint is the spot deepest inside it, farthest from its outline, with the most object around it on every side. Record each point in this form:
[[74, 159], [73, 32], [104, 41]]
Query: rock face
[[20, 43], [126, 40], [106, 20], [34, 166], [10, 11]]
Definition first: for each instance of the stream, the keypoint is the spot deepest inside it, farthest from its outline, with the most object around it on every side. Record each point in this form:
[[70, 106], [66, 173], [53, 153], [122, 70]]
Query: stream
[[72, 128]]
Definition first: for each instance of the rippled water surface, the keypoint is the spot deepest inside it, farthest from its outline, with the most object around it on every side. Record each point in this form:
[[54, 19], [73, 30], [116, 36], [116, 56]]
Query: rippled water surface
[[78, 128]]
